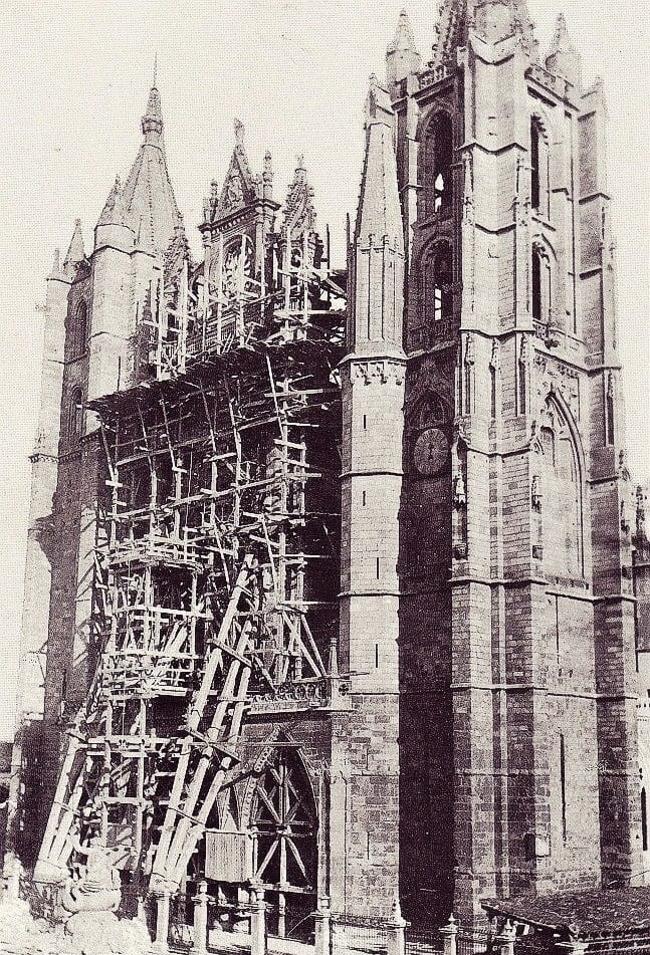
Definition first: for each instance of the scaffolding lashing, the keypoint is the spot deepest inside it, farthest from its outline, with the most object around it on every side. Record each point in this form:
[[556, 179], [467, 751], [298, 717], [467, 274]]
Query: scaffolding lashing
[[210, 553]]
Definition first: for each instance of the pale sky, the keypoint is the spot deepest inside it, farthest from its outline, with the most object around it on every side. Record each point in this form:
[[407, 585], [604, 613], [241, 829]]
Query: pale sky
[[74, 78]]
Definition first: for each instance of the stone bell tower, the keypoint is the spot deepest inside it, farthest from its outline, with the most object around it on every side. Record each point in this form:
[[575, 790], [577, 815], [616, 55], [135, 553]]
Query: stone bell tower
[[517, 733], [365, 745]]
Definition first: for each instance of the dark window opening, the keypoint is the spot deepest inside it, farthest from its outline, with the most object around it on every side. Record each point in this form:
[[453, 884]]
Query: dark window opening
[[563, 786], [376, 656], [468, 388], [443, 161], [75, 413], [438, 159], [610, 412], [535, 190], [378, 568], [538, 311], [644, 820], [438, 284], [80, 329], [493, 391]]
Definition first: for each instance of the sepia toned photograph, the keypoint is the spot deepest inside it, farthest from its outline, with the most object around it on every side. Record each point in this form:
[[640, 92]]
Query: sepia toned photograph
[[324, 560]]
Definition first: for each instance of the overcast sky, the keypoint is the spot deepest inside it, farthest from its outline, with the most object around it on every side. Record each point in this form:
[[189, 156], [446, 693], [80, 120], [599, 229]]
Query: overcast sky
[[74, 78]]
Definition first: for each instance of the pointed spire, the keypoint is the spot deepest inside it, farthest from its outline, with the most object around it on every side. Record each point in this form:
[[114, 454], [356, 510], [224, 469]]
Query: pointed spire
[[377, 254], [113, 211], [240, 186], [56, 271], [379, 212], [152, 121], [76, 252], [563, 59], [299, 213], [402, 57], [148, 204]]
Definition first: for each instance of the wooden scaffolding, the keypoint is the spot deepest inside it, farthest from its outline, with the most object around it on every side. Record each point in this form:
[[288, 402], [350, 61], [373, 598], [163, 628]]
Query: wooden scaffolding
[[216, 576]]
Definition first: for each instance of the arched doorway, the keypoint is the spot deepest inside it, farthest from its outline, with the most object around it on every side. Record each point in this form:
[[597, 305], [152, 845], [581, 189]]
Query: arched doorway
[[284, 825]]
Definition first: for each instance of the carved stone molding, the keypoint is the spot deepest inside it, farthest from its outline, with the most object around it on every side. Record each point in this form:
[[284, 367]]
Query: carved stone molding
[[377, 369]]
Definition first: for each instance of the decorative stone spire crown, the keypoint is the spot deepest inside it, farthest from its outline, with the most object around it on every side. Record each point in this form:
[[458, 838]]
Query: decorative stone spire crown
[[563, 59], [299, 213], [402, 58], [491, 20]]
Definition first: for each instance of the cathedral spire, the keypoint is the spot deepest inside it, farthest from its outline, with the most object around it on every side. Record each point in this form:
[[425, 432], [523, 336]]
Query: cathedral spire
[[489, 20], [402, 57], [378, 249], [147, 200], [76, 252], [379, 213], [152, 121]]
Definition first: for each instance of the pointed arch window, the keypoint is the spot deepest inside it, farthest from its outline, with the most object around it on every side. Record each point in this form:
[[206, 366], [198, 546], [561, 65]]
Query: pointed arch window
[[75, 413], [644, 820], [541, 285], [438, 296], [609, 411], [539, 168], [80, 330], [438, 162], [563, 494]]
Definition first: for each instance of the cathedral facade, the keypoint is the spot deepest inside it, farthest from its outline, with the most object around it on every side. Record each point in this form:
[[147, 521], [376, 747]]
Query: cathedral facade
[[328, 571]]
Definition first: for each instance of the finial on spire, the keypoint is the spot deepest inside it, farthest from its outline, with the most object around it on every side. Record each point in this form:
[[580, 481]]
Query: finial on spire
[[154, 85], [240, 129], [404, 38], [402, 57], [152, 121], [563, 59]]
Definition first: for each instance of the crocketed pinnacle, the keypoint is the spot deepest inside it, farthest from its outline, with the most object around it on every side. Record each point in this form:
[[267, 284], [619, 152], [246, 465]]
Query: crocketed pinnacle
[[404, 39], [561, 42]]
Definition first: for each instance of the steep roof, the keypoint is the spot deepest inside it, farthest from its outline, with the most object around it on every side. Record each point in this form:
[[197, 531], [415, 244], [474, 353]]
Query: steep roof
[[379, 213], [148, 201]]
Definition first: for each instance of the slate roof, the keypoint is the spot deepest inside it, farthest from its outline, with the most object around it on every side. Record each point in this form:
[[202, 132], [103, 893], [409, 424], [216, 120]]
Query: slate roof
[[597, 912]]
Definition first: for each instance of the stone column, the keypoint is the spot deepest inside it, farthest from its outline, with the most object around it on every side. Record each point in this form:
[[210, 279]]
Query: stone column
[[323, 926], [201, 919], [162, 922], [449, 933], [258, 921], [505, 940], [396, 942]]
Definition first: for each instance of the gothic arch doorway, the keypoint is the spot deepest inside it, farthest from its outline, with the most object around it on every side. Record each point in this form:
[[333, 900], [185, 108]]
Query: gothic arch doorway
[[284, 826]]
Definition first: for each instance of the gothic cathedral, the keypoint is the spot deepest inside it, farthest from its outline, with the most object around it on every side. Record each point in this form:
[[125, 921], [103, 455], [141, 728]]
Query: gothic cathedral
[[328, 572]]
